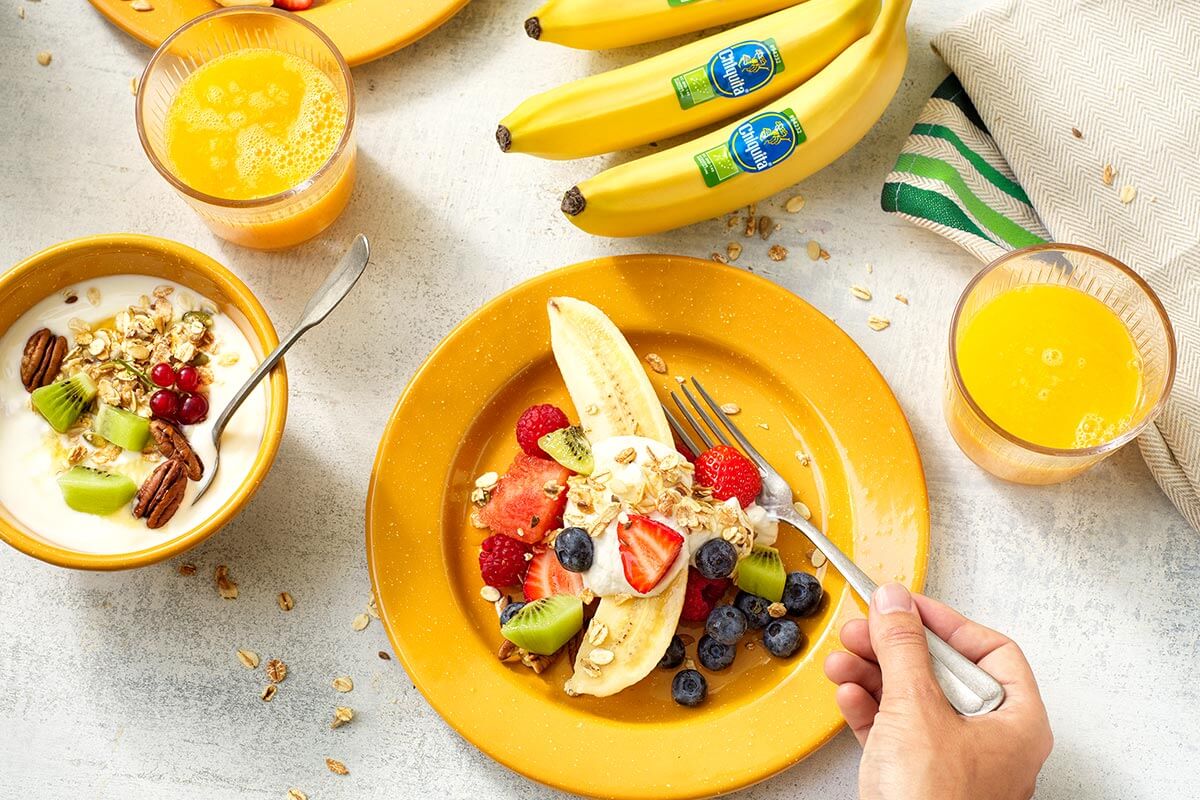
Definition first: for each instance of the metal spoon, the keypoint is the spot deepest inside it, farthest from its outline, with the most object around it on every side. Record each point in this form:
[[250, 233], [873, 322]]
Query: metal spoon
[[339, 283]]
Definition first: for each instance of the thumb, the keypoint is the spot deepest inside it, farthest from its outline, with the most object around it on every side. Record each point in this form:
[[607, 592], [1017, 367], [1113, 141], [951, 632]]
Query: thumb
[[898, 639]]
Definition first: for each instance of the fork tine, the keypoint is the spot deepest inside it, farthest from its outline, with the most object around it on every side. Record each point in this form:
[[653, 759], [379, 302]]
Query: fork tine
[[708, 443], [704, 415], [681, 432], [733, 429]]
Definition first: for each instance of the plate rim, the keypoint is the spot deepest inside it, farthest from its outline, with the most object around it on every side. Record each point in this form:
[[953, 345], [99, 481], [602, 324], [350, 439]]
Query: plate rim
[[922, 519], [375, 49]]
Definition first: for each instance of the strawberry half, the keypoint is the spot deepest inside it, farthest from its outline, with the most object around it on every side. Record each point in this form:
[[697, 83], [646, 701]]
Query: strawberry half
[[519, 505], [729, 474], [648, 551], [547, 577]]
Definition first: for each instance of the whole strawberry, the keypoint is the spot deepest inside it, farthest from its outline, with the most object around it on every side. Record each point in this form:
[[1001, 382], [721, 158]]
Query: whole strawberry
[[502, 561], [729, 474], [536, 422], [293, 5]]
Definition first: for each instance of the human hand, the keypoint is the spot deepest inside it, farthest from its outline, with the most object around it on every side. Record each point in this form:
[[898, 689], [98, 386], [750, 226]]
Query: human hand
[[915, 746]]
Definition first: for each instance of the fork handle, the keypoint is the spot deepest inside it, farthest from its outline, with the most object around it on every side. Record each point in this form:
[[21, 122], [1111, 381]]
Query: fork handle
[[970, 689]]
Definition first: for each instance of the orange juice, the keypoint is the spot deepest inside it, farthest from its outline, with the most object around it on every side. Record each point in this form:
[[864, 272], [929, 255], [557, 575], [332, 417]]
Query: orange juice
[[259, 132], [1051, 365]]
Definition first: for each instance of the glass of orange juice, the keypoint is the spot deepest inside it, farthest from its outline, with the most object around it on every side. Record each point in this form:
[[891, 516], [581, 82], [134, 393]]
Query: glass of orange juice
[[1059, 355], [249, 113]]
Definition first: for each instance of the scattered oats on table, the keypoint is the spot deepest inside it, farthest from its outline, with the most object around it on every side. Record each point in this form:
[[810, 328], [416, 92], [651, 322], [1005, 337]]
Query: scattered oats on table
[[717, 257], [384, 655], [901, 298], [225, 585], [1108, 174], [794, 204], [296, 794], [285, 601], [187, 570], [877, 323], [268, 692], [343, 683], [44, 58], [341, 715], [1127, 194], [1078, 134], [777, 252], [336, 767], [733, 250], [814, 249], [360, 622], [133, 85], [766, 227], [860, 291], [276, 670], [249, 658], [20, 12]]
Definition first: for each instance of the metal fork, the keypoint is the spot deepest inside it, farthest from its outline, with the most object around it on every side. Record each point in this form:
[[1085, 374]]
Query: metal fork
[[970, 689]]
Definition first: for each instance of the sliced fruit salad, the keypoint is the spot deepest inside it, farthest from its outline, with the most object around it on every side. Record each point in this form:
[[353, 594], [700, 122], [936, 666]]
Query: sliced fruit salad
[[617, 536]]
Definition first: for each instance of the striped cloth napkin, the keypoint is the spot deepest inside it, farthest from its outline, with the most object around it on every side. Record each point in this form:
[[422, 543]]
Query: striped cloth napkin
[[1076, 122]]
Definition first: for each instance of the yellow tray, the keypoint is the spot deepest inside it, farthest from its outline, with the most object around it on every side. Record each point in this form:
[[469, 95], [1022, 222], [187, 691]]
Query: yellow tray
[[750, 342], [363, 30]]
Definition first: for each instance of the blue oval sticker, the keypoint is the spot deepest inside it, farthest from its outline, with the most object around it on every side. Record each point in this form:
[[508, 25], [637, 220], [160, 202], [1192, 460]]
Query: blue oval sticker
[[742, 68]]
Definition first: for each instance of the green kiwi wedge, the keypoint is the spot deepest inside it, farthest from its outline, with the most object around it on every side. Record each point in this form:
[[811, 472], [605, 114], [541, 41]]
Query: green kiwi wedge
[[93, 491], [762, 573], [62, 403], [569, 447], [122, 428], [546, 624]]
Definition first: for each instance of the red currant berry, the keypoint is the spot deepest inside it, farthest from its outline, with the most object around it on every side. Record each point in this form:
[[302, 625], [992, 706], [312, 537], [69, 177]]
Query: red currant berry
[[164, 403], [188, 379], [193, 409], [162, 374]]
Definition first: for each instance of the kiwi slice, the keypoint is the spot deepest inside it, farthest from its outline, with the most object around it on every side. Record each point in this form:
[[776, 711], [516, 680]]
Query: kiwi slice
[[762, 573], [93, 491], [569, 447], [122, 428], [546, 624], [61, 403]]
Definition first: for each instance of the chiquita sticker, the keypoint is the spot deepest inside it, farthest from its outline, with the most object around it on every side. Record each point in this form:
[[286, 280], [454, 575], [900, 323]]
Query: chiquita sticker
[[756, 145], [733, 71]]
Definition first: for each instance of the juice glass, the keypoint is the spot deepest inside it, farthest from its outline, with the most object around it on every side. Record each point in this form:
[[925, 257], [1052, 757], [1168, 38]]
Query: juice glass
[[1007, 455], [282, 219]]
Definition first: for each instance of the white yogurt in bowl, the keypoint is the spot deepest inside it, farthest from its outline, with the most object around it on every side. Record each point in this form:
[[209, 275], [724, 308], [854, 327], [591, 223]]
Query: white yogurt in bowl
[[33, 455]]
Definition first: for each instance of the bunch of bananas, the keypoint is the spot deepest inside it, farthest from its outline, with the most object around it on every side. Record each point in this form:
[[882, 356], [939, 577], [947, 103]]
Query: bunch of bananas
[[807, 82]]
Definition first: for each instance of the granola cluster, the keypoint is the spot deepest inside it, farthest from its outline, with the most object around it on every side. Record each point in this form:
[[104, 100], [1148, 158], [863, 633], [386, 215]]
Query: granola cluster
[[118, 354]]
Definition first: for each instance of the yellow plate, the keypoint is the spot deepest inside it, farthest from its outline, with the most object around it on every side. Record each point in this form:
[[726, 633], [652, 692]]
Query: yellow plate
[[363, 30], [750, 342]]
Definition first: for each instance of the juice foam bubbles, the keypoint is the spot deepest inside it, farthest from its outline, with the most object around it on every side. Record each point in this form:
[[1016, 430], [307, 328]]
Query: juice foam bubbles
[[253, 123]]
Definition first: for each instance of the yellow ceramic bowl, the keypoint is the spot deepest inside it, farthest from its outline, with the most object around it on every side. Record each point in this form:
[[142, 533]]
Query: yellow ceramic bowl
[[68, 263]]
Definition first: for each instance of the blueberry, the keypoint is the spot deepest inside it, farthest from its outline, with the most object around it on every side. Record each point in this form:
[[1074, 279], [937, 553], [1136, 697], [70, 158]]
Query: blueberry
[[574, 549], [674, 655], [801, 594], [713, 655], [716, 559], [755, 609], [782, 637], [509, 612], [689, 688], [726, 624]]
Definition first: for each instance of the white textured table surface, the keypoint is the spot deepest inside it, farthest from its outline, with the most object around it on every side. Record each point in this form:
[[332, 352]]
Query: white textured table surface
[[126, 685]]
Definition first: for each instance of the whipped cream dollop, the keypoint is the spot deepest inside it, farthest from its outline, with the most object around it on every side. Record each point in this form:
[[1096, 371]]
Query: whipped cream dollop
[[637, 475]]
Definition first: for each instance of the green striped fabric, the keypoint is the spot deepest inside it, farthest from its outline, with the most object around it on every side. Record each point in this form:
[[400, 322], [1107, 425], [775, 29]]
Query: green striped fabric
[[951, 179]]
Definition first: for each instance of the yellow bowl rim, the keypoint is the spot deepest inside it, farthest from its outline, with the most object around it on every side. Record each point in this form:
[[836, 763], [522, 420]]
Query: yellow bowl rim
[[259, 320]]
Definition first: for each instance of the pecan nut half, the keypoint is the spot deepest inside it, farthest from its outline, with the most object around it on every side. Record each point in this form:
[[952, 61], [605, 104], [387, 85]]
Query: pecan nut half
[[42, 359], [161, 494], [173, 444]]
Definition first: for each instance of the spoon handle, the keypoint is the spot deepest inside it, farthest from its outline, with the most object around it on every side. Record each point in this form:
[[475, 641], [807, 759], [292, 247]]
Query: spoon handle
[[339, 283]]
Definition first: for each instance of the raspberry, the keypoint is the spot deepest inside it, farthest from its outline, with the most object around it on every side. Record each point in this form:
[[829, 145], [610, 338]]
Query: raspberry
[[702, 595], [502, 561], [293, 5], [729, 474], [535, 423]]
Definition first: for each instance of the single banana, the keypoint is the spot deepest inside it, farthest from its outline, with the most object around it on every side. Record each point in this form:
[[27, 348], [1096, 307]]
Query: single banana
[[757, 156], [607, 383], [636, 632], [602, 24], [614, 397], [689, 87]]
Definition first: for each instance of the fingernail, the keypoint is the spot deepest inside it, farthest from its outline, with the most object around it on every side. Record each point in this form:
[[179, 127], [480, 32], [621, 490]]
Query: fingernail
[[892, 597]]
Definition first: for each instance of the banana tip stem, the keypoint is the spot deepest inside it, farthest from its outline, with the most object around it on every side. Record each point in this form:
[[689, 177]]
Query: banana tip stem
[[533, 28], [573, 202], [503, 137]]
